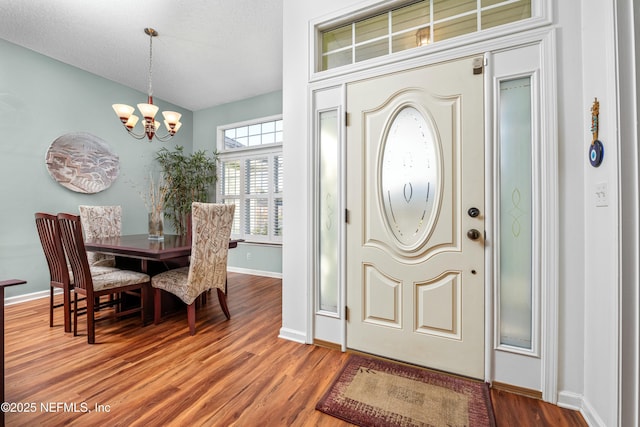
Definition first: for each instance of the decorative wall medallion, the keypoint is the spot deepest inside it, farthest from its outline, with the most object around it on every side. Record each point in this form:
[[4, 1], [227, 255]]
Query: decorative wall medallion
[[82, 162], [410, 177]]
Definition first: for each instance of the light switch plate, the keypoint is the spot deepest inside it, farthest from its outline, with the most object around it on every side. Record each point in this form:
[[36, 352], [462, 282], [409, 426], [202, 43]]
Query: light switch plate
[[601, 194]]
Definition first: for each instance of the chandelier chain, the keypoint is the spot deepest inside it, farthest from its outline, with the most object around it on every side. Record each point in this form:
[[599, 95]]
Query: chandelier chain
[[150, 63]]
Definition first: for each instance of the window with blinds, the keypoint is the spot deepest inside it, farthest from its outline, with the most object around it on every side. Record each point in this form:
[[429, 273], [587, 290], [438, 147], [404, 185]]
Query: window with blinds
[[251, 172], [416, 24]]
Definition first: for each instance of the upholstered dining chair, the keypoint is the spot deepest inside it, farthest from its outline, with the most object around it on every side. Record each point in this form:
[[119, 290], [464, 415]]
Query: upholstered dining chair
[[210, 235], [101, 221], [60, 275], [93, 287]]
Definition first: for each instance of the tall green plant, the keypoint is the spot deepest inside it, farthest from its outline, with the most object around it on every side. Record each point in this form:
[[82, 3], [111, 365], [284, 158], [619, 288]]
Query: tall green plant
[[189, 178]]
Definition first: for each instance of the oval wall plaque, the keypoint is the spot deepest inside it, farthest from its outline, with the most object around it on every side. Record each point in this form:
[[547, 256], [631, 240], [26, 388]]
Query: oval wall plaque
[[410, 177], [82, 162]]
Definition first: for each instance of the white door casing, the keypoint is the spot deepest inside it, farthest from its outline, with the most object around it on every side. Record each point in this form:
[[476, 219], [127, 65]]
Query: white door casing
[[415, 166]]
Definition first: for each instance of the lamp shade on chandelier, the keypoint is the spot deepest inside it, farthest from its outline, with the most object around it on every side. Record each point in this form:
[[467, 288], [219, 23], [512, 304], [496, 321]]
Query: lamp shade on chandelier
[[148, 111]]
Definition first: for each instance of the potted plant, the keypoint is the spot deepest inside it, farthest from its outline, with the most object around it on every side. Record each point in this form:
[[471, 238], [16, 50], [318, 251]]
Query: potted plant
[[188, 178]]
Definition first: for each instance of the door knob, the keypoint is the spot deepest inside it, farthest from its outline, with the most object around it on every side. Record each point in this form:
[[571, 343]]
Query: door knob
[[473, 212], [473, 234]]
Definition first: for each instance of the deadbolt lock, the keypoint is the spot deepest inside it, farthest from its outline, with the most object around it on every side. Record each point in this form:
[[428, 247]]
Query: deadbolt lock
[[473, 212]]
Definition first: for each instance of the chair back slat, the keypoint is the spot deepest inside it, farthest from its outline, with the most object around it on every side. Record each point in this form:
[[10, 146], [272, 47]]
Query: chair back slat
[[73, 243], [49, 233]]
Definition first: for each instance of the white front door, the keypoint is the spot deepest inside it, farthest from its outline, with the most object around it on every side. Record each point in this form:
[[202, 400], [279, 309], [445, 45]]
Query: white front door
[[415, 198]]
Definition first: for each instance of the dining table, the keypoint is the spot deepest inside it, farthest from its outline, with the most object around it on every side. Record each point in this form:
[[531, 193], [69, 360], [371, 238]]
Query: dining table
[[154, 256], [141, 247]]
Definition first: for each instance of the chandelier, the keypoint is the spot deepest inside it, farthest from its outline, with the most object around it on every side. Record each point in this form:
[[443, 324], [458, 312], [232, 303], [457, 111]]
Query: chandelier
[[148, 110]]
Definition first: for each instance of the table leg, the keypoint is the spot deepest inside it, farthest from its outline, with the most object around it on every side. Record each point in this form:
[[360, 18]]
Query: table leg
[[3, 284]]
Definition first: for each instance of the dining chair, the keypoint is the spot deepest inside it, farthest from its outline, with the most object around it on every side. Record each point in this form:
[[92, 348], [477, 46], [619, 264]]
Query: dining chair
[[93, 287], [207, 270], [49, 233], [60, 274], [101, 221]]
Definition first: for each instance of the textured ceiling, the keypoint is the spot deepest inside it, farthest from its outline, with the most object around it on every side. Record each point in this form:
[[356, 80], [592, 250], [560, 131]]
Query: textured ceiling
[[207, 53]]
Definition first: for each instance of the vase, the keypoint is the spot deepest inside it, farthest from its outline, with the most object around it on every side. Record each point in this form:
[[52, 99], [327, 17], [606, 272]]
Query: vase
[[156, 225]]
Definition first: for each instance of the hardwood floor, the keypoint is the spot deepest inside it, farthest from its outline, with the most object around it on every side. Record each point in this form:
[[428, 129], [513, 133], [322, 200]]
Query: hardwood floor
[[235, 372]]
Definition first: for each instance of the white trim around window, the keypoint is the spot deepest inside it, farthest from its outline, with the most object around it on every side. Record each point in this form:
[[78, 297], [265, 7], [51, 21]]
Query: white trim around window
[[250, 177]]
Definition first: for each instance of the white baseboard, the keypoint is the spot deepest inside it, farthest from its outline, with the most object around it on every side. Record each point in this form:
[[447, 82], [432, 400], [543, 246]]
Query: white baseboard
[[29, 297], [293, 335], [591, 416], [570, 400], [45, 294], [272, 274], [576, 402]]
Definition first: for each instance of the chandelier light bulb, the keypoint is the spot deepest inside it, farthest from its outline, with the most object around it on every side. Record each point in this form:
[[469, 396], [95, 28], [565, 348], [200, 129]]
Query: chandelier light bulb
[[131, 123], [148, 111], [123, 111]]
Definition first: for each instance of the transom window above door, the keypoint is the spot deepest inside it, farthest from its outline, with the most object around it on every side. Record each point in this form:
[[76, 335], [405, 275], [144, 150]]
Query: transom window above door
[[414, 25]]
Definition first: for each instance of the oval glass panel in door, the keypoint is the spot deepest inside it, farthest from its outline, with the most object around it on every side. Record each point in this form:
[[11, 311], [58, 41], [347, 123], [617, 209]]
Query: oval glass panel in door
[[410, 177]]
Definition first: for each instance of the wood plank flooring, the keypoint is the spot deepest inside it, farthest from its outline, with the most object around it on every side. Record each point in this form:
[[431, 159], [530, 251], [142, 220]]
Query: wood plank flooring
[[235, 372]]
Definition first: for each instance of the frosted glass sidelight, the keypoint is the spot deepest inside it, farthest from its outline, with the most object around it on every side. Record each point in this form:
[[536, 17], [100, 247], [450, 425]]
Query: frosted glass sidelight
[[515, 225], [410, 177], [329, 212]]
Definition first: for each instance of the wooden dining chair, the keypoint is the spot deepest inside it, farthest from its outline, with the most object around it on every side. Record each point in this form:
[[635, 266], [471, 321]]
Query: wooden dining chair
[[208, 267], [60, 274], [49, 233], [93, 287]]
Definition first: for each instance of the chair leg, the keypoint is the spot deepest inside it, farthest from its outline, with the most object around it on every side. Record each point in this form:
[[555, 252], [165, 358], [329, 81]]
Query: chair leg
[[157, 309], [143, 298], [91, 327], [222, 298], [51, 307], [75, 314], [191, 318], [67, 310]]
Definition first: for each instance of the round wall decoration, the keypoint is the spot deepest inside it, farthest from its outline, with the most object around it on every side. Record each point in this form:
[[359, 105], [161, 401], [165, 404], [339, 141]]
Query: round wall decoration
[[82, 162]]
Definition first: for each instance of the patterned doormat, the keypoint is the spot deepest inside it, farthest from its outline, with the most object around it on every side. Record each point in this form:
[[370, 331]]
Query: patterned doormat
[[373, 392]]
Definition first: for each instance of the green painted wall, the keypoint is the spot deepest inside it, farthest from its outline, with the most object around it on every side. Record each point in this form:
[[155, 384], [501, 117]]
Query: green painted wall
[[40, 100], [247, 257]]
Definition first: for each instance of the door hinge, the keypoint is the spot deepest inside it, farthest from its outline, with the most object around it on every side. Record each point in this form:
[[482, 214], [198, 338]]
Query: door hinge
[[346, 313], [478, 64], [346, 216], [346, 118]]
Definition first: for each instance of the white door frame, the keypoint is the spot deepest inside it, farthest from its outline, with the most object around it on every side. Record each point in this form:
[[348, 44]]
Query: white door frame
[[509, 362], [545, 38]]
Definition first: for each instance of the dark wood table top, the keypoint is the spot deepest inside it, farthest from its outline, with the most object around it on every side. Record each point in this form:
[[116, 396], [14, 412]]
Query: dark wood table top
[[11, 282], [140, 246]]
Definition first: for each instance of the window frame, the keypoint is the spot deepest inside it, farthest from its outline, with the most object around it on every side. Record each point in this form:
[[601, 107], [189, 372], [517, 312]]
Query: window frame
[[271, 152], [541, 15]]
